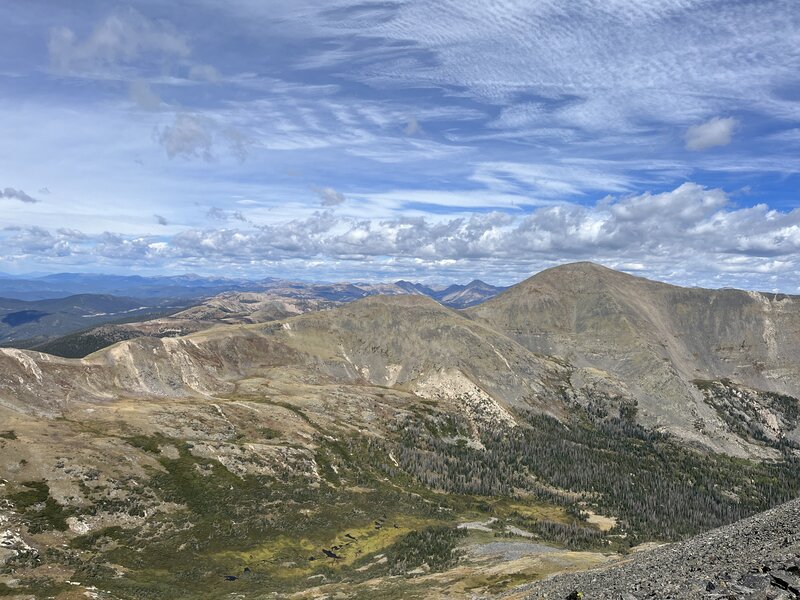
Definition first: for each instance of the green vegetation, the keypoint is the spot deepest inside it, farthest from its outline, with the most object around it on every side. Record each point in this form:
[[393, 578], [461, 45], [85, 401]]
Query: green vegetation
[[93, 539], [40, 510], [659, 488], [276, 527], [78, 345], [39, 587], [378, 507], [146, 443], [434, 547]]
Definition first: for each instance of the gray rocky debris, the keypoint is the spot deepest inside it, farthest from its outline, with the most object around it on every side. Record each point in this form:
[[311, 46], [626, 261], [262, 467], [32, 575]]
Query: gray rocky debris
[[754, 559]]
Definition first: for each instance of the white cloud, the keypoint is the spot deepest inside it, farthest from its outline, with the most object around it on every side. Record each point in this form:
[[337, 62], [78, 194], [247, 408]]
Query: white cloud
[[690, 235], [201, 136], [189, 137], [593, 66], [714, 132], [513, 99], [329, 196], [568, 178]]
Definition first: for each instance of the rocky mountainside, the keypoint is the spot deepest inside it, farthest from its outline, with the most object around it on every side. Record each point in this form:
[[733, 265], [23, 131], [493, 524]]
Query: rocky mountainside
[[392, 446], [753, 559], [660, 346], [464, 296], [405, 342]]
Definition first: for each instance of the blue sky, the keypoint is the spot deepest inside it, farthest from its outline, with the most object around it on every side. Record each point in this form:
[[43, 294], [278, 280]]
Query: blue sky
[[430, 140]]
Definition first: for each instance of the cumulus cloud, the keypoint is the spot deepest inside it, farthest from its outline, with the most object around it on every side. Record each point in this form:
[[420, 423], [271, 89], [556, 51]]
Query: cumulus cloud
[[12, 194], [329, 196], [688, 235], [217, 214], [189, 136], [714, 132], [123, 37]]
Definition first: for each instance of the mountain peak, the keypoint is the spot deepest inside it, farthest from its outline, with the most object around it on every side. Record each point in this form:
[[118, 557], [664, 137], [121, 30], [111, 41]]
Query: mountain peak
[[584, 266], [577, 276]]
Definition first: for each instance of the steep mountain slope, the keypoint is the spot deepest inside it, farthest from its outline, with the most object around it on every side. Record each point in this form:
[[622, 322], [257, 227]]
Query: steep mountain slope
[[656, 341], [755, 558], [407, 342]]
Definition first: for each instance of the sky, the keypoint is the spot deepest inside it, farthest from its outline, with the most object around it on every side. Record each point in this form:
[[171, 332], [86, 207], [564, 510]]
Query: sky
[[431, 140]]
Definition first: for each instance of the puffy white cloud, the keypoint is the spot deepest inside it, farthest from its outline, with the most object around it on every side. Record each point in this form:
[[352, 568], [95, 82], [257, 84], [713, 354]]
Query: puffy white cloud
[[329, 196], [688, 235], [714, 132]]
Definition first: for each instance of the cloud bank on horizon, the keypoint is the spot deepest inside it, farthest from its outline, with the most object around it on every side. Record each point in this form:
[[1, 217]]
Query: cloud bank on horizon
[[353, 139]]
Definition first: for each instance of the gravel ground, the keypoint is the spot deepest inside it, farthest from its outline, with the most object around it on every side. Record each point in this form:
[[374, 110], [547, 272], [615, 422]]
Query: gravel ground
[[754, 559], [510, 550]]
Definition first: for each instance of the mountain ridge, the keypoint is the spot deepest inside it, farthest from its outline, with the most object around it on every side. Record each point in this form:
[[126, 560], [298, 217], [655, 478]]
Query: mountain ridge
[[656, 337], [355, 443], [611, 346]]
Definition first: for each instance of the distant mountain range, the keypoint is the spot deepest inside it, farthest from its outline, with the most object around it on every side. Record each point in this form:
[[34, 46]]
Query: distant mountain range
[[60, 285], [37, 323]]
